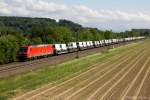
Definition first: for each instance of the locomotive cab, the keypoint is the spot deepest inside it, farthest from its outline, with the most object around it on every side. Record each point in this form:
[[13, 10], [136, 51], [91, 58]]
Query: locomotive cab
[[23, 53]]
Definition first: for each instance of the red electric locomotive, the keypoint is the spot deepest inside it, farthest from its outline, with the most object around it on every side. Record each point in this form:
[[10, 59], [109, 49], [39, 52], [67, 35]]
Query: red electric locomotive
[[31, 51]]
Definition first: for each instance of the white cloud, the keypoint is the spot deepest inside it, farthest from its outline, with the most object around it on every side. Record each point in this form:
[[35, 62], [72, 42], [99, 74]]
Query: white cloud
[[79, 13]]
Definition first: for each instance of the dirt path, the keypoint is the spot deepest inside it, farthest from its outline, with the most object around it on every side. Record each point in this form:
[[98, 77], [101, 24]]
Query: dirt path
[[125, 77]]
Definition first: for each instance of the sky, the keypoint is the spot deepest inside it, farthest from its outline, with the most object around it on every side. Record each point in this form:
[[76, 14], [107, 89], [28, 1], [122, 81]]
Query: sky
[[116, 15]]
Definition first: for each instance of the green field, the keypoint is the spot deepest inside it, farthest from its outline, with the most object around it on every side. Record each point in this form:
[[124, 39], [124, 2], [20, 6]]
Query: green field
[[55, 74]]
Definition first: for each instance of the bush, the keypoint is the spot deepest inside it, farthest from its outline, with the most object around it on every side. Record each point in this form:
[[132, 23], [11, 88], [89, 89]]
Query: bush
[[8, 49]]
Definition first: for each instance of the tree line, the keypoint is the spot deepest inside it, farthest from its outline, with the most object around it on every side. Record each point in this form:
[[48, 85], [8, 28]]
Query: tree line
[[20, 31]]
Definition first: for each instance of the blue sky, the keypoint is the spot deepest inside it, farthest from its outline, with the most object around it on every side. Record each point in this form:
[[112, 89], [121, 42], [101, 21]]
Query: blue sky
[[118, 15]]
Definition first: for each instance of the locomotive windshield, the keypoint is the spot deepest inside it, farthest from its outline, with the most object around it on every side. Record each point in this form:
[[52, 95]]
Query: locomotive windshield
[[23, 49]]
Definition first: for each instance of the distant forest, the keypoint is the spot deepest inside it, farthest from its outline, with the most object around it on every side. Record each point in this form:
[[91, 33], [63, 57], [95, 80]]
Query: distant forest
[[20, 31]]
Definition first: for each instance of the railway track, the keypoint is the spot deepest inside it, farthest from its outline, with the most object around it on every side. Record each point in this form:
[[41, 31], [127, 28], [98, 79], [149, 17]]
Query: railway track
[[12, 67], [22, 67]]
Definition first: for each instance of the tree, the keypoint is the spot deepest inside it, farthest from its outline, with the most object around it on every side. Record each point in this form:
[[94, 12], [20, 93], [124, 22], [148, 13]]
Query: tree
[[108, 34], [8, 49]]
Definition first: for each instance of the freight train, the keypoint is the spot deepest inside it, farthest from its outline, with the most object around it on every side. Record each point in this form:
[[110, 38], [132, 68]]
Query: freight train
[[37, 51]]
